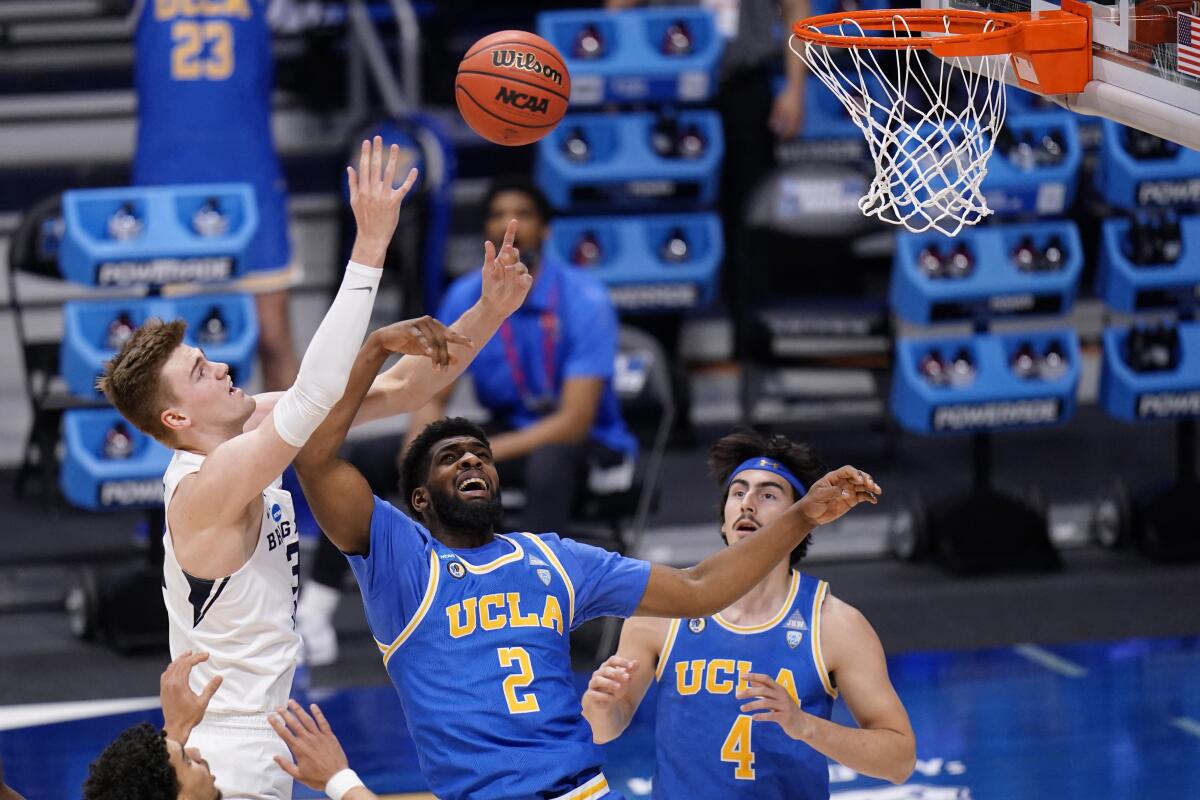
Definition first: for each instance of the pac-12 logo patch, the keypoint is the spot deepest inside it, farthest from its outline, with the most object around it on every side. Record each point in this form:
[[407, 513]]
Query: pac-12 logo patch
[[696, 625], [544, 576], [276, 512], [794, 638], [456, 569]]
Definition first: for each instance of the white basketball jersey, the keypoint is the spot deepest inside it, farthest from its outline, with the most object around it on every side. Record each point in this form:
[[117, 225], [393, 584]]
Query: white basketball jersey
[[246, 621]]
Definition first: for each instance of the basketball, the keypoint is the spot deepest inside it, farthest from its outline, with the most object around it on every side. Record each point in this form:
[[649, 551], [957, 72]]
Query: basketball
[[512, 87]]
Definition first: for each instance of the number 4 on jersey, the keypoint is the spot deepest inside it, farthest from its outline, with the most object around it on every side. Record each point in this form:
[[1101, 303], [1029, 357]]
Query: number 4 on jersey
[[736, 749]]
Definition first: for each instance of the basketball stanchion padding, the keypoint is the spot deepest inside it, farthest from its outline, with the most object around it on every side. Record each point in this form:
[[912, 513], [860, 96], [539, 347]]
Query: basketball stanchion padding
[[930, 127]]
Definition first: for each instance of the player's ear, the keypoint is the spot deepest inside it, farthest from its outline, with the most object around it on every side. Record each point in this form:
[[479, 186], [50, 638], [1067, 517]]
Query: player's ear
[[419, 500]]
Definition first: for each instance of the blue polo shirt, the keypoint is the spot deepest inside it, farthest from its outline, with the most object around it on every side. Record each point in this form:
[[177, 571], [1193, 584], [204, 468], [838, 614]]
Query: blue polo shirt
[[567, 326]]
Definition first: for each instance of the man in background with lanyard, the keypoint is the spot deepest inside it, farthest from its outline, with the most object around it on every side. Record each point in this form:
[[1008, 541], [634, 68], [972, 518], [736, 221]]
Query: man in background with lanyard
[[546, 377]]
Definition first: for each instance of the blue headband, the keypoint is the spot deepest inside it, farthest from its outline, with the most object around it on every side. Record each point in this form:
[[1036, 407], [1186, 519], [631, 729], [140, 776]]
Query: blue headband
[[768, 465]]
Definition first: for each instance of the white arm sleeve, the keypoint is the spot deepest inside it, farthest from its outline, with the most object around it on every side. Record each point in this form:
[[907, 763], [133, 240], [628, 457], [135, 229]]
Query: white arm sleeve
[[329, 357]]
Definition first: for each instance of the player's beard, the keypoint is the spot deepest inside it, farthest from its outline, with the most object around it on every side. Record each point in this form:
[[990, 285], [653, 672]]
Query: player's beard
[[474, 515]]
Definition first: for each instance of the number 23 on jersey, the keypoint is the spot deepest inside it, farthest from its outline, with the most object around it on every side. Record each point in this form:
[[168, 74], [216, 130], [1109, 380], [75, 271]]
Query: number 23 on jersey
[[201, 50]]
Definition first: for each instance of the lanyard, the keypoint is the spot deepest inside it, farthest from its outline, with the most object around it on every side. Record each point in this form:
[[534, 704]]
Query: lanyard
[[548, 321]]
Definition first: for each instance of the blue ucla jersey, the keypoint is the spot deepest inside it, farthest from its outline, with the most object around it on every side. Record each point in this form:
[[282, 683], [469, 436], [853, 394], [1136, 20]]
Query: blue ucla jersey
[[476, 643], [204, 73], [705, 747]]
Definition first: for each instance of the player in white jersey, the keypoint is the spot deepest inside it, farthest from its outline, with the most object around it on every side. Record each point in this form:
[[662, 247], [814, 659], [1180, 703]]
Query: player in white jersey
[[230, 568]]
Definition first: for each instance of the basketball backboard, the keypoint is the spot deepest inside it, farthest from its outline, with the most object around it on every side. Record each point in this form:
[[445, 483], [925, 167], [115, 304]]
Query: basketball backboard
[[1145, 62]]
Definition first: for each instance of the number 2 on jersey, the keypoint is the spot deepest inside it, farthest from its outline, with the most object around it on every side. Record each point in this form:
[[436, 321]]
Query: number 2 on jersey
[[736, 748], [524, 703], [190, 62]]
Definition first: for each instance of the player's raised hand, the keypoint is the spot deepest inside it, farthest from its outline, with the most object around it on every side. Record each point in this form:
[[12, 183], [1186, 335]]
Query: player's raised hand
[[423, 336], [609, 682], [376, 200], [838, 492], [182, 708], [506, 280], [318, 753], [773, 704]]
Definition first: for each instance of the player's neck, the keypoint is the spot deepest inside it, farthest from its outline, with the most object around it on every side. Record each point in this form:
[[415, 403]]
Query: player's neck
[[462, 539], [763, 601], [203, 442]]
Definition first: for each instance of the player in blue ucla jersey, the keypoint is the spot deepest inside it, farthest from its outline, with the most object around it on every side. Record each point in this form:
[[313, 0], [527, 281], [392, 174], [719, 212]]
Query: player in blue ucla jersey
[[204, 75], [745, 695], [473, 625]]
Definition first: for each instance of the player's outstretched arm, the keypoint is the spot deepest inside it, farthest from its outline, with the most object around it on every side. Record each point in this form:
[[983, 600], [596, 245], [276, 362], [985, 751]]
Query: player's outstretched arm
[[413, 382], [336, 491], [883, 745], [239, 469], [720, 579], [618, 686], [321, 763]]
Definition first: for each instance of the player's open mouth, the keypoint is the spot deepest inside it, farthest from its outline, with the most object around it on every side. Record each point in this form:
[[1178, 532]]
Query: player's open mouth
[[233, 390], [746, 526], [473, 485]]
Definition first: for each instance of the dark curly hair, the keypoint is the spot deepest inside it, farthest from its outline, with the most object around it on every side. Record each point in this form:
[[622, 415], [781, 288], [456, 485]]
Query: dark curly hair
[[731, 450], [134, 767], [414, 467]]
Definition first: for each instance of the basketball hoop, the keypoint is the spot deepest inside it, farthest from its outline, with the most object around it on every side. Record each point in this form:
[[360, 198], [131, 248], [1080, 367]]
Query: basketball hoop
[[931, 128]]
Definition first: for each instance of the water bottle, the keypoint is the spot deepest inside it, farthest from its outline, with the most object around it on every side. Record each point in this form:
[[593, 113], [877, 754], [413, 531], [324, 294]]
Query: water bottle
[[675, 248], [124, 225], [587, 251], [677, 40], [208, 219], [120, 331], [212, 330], [118, 444]]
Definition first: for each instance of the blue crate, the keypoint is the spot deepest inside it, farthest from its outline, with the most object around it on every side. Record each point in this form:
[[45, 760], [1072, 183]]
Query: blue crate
[[168, 250], [995, 288], [1127, 182], [1130, 287], [1149, 396], [1044, 190], [996, 399], [637, 276], [624, 168], [85, 328], [633, 67], [91, 481]]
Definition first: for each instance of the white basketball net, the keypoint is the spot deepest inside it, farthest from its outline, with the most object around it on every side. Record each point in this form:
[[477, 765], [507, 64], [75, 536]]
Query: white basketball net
[[930, 159]]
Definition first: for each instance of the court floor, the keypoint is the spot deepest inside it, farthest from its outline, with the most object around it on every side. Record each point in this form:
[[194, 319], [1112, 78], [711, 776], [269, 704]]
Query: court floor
[[1119, 721]]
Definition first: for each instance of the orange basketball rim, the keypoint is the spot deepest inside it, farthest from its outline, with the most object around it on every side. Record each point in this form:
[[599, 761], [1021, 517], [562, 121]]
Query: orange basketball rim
[[1051, 50]]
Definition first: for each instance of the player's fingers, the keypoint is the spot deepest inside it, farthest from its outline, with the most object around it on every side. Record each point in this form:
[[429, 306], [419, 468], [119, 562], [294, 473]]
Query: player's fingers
[[192, 659], [364, 165], [392, 164], [617, 675], [287, 767], [624, 663], [421, 339], [409, 181], [319, 716], [759, 680], [308, 722], [489, 255], [756, 705], [211, 689], [441, 351], [604, 685], [279, 725], [376, 160], [292, 723], [510, 234], [454, 337]]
